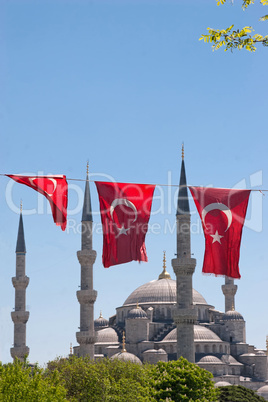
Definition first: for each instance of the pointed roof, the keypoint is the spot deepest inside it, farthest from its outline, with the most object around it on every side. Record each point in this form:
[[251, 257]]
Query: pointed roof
[[20, 248], [87, 211], [183, 201]]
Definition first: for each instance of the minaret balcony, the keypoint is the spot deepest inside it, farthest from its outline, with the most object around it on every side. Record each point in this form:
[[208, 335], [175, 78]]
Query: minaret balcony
[[20, 317], [86, 296], [86, 337], [183, 266], [20, 282], [185, 316], [20, 352], [229, 290], [86, 257]]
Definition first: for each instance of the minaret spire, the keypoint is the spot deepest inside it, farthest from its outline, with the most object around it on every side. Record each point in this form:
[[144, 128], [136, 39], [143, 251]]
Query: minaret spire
[[87, 295], [20, 282], [184, 315]]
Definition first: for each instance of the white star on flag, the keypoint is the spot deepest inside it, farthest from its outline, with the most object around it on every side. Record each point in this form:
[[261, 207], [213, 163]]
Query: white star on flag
[[216, 237]]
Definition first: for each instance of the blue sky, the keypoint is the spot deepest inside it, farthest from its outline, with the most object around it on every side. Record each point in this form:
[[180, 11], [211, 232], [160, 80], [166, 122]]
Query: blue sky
[[122, 84]]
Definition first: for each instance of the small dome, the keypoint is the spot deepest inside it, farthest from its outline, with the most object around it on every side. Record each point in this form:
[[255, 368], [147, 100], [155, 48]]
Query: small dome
[[222, 384], [210, 360], [126, 357], [107, 335], [161, 352], [263, 391], [261, 353], [100, 322], [200, 334], [232, 315], [137, 312]]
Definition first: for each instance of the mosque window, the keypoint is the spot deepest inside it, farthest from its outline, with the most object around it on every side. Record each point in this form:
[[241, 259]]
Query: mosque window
[[220, 348], [214, 348]]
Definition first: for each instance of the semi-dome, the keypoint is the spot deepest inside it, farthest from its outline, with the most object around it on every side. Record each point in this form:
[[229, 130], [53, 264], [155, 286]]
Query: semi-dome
[[156, 351], [232, 315], [159, 291], [200, 334], [222, 384], [137, 312], [126, 357], [107, 335], [210, 360]]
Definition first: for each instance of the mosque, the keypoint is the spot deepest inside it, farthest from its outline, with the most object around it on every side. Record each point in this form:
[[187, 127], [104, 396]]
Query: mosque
[[160, 320]]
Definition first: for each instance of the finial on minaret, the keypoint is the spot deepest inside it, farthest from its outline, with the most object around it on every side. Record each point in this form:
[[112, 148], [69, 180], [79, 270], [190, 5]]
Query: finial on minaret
[[71, 348], [233, 306], [164, 274], [87, 168], [124, 343], [100, 315], [182, 151], [21, 206]]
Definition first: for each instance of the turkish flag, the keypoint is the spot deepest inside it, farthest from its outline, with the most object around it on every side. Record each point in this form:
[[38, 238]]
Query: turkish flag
[[54, 188], [222, 212], [125, 212]]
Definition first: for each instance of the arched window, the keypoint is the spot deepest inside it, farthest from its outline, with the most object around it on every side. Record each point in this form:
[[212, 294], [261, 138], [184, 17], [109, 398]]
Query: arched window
[[206, 349], [220, 348], [214, 348]]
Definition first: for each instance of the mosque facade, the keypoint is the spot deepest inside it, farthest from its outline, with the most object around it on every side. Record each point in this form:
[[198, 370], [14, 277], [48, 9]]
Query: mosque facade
[[159, 321]]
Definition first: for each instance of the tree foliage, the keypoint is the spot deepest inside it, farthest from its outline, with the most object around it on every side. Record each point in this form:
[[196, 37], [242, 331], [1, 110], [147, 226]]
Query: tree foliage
[[236, 38], [180, 380], [104, 380], [21, 382], [237, 393]]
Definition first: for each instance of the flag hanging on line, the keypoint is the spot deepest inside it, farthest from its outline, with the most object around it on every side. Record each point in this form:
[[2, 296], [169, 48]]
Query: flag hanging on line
[[222, 212], [125, 212], [54, 188]]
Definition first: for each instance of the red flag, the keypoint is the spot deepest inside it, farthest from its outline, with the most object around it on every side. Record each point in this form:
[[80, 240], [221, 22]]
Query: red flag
[[222, 212], [54, 188], [125, 212]]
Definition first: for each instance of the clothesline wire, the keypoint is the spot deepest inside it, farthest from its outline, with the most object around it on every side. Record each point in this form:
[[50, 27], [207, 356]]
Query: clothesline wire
[[150, 184]]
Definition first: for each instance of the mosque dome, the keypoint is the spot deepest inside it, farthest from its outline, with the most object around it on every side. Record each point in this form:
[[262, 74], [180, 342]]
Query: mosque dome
[[232, 315], [100, 322], [200, 334], [107, 335], [159, 291], [209, 359], [126, 357], [137, 312]]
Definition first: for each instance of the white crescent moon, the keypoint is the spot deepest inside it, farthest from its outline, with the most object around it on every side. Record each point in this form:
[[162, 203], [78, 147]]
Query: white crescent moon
[[221, 207], [54, 181], [123, 201]]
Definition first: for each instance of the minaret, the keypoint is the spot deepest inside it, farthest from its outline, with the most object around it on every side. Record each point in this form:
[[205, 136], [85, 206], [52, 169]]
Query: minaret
[[184, 314], [229, 290], [20, 282], [87, 295]]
